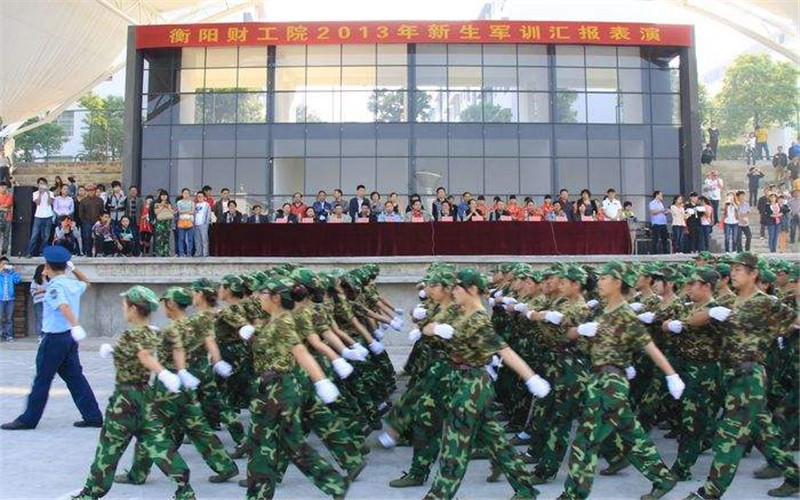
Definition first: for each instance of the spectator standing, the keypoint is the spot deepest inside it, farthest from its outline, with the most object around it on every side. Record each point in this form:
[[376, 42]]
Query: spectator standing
[[6, 217], [65, 236], [260, 218], [763, 210], [744, 223], [102, 194], [706, 211], [115, 205], [463, 207], [774, 223], [8, 278], [357, 201], [750, 148], [794, 150], [133, 209], [38, 287], [436, 206], [42, 218], [794, 170], [73, 186], [78, 200], [90, 209], [754, 175], [783, 231], [566, 205], [145, 229], [221, 206], [162, 229], [658, 224], [395, 199], [57, 185], [202, 218], [780, 162], [338, 197], [712, 189], [730, 214], [186, 215], [209, 192], [713, 139], [63, 204], [678, 224], [611, 206], [321, 206], [298, 208], [707, 156], [761, 143], [794, 214], [692, 218]]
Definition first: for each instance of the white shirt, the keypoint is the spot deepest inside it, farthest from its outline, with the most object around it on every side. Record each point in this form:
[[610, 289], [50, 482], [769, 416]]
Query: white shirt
[[202, 213], [714, 188], [612, 208], [44, 210], [730, 215]]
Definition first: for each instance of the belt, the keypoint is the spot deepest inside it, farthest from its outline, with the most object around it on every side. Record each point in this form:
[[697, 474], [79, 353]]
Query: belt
[[602, 370], [56, 333]]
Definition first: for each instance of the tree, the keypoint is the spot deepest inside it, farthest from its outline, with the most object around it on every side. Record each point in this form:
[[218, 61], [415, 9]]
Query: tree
[[705, 111], [103, 137], [757, 90], [486, 112], [390, 105], [44, 140]]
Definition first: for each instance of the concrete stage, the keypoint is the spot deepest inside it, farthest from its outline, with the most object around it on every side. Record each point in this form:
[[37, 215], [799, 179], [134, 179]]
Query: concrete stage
[[111, 276]]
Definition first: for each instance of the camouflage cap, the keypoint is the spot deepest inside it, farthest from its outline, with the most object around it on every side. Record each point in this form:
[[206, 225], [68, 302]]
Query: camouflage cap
[[550, 271], [574, 273], [652, 269], [794, 274], [444, 277], [767, 275], [249, 281], [141, 296], [305, 277], [523, 270], [724, 269], [704, 274], [620, 271], [704, 255], [275, 284], [233, 283], [179, 295], [748, 259], [468, 276], [204, 285], [781, 266], [503, 267]]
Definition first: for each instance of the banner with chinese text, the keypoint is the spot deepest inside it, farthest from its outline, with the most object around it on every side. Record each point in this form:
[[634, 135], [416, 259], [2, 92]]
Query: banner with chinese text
[[312, 33]]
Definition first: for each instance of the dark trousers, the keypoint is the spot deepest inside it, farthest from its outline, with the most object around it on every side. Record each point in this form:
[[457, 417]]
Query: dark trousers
[[753, 197], [715, 204], [762, 147], [678, 239], [40, 235], [794, 224], [87, 239], [743, 231], [694, 238], [58, 354], [660, 238]]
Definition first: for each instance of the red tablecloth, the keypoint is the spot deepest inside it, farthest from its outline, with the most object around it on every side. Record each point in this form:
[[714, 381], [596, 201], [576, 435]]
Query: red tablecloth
[[443, 238]]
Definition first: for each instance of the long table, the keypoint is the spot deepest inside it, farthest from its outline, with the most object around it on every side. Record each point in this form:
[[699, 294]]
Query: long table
[[433, 238]]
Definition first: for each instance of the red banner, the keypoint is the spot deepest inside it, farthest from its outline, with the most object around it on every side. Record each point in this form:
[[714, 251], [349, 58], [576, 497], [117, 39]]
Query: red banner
[[313, 33]]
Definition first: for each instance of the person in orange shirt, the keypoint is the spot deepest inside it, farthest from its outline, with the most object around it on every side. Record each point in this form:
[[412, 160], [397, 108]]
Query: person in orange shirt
[[482, 208], [6, 213], [531, 211], [547, 207], [513, 208], [298, 208]]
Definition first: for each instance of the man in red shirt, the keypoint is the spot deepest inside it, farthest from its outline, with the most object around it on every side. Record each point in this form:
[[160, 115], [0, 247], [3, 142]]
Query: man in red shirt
[[6, 213], [513, 207], [298, 207]]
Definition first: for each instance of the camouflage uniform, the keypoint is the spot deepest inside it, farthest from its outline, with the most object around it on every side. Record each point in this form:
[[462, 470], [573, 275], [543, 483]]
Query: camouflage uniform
[[276, 423], [469, 420], [606, 407], [130, 413], [181, 413], [745, 410], [237, 352]]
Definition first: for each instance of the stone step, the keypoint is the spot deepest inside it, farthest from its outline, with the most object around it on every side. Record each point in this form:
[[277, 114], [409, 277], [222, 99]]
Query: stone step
[[26, 174]]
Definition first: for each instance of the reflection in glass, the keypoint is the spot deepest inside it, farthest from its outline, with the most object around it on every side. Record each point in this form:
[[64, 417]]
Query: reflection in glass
[[290, 55], [290, 78], [157, 108], [633, 108], [601, 79], [500, 78], [532, 55], [220, 79], [392, 77], [500, 107], [629, 57], [189, 109], [633, 80], [534, 107], [464, 54], [569, 55], [356, 106], [290, 107], [465, 106], [392, 54], [570, 107], [251, 108], [602, 108], [431, 54], [665, 80], [464, 77], [533, 79], [358, 78], [252, 79], [219, 108], [666, 108], [431, 106], [390, 105], [193, 57], [570, 79], [601, 56], [221, 57]]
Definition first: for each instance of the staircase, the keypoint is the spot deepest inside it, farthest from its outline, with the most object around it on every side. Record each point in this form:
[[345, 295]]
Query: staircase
[[734, 175], [25, 174]]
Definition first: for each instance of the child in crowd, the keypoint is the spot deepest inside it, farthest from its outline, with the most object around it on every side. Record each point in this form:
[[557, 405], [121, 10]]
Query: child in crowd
[[8, 278], [146, 226]]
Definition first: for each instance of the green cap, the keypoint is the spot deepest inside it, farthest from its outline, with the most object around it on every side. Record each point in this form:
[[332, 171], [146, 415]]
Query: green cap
[[794, 274], [748, 259], [204, 285], [469, 276], [305, 277], [503, 267], [141, 296], [620, 271], [781, 266], [704, 255], [442, 277], [233, 283], [704, 274], [179, 295], [574, 273], [523, 270], [652, 269], [724, 269], [275, 284]]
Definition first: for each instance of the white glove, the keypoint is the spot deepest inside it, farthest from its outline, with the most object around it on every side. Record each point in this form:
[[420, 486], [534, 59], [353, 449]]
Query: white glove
[[522, 308], [491, 371], [414, 335], [419, 313], [353, 355], [342, 368], [509, 301], [361, 349], [553, 317], [327, 391], [386, 440], [498, 294], [780, 342], [423, 294], [690, 211], [676, 385], [444, 331], [246, 332], [630, 372], [378, 334], [647, 317], [593, 303], [399, 311], [171, 381], [223, 368], [70, 265], [497, 361], [376, 347], [636, 306], [397, 323], [701, 209], [588, 329], [188, 380], [537, 386], [675, 326], [106, 351], [491, 301], [78, 333], [719, 313]]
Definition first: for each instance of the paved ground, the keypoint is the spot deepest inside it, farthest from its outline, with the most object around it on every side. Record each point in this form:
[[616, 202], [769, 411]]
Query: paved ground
[[52, 461]]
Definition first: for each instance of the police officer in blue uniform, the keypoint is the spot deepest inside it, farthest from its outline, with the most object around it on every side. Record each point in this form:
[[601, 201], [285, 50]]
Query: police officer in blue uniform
[[58, 351]]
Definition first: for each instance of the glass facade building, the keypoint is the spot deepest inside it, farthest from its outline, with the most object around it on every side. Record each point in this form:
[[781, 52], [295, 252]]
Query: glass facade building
[[492, 119]]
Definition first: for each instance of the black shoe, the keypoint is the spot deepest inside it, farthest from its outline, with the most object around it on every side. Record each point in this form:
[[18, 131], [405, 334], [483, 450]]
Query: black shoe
[[86, 423], [16, 425]]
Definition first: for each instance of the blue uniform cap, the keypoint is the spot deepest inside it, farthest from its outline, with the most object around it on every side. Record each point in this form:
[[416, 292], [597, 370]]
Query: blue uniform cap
[[55, 254]]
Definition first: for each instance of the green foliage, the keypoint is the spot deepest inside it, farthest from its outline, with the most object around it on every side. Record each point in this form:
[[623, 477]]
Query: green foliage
[[104, 133], [44, 140], [390, 105], [220, 105], [757, 90], [486, 112], [565, 112]]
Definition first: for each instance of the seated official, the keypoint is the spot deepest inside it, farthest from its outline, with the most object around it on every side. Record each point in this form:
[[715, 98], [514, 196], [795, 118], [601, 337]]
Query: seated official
[[338, 215], [231, 216], [258, 217], [472, 213], [446, 212], [557, 214], [389, 213], [500, 213], [309, 217], [531, 212], [284, 215], [416, 214], [366, 215]]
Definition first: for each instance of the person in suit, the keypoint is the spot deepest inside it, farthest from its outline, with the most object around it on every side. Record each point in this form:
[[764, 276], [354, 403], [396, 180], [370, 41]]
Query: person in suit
[[232, 215], [357, 201], [257, 217]]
